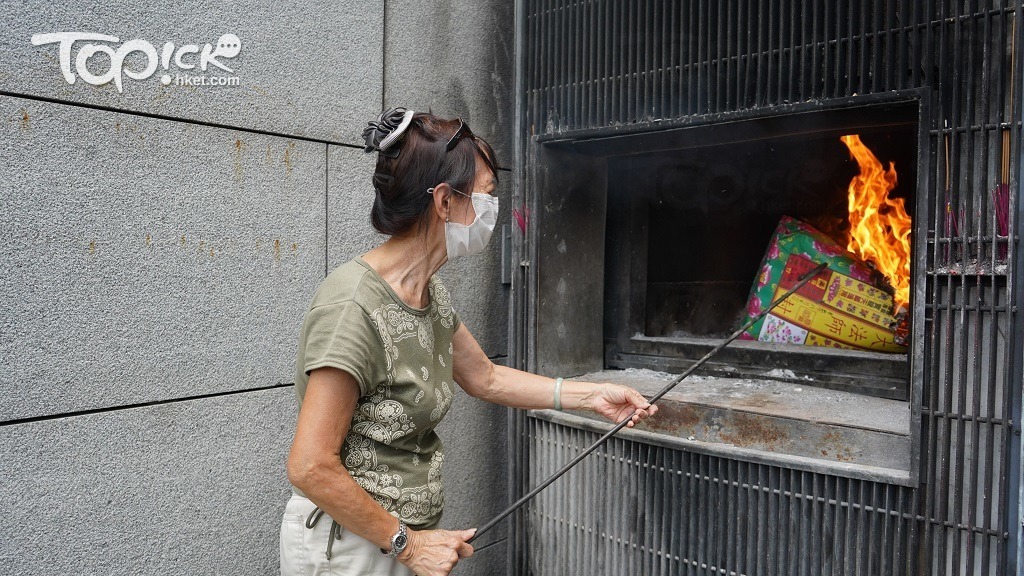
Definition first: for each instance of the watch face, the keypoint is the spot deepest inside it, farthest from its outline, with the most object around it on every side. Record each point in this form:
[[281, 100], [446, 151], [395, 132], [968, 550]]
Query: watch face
[[400, 541]]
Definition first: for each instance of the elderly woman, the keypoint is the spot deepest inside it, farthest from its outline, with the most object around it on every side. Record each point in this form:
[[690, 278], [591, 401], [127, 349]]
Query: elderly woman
[[380, 353]]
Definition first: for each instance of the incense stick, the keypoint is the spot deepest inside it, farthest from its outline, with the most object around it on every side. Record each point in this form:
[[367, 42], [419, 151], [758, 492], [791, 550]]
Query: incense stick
[[579, 458]]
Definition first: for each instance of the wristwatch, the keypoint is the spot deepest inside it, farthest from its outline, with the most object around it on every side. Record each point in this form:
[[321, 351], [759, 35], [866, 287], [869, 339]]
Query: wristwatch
[[398, 542]]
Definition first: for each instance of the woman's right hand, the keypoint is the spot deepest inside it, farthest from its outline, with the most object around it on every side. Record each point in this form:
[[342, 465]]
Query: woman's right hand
[[435, 552]]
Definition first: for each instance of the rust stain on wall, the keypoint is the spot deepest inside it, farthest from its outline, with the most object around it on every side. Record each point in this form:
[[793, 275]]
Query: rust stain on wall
[[674, 418], [237, 168], [752, 431], [277, 249], [25, 119], [289, 151], [833, 445]]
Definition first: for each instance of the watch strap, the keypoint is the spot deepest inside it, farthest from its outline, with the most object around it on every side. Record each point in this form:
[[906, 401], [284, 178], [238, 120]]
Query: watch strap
[[398, 541]]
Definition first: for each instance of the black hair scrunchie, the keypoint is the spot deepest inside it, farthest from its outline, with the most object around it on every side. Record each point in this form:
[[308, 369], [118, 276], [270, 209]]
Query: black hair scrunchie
[[382, 135]]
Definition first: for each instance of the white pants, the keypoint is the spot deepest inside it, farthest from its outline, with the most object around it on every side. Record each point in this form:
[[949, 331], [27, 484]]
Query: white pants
[[304, 550]]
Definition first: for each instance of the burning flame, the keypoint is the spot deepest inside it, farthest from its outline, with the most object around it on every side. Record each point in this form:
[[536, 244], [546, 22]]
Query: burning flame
[[879, 225]]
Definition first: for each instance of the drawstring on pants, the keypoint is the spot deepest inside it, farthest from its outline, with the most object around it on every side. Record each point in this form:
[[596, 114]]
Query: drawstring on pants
[[335, 534]]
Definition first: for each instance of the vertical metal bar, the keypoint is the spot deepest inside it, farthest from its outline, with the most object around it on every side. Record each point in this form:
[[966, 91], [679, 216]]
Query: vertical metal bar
[[899, 38], [662, 512], [555, 37], [773, 74], [904, 538], [786, 522], [718, 54], [751, 534], [628, 56], [566, 44], [802, 15], [1010, 499], [922, 536], [793, 73], [687, 60], [750, 65], [1013, 503], [625, 57], [771, 516], [826, 44], [602, 74], [725, 55], [551, 51], [613, 48], [841, 534], [881, 552], [981, 185], [701, 105], [814, 533], [942, 481], [589, 56], [658, 61], [881, 58], [647, 66], [964, 111], [815, 76], [720, 518], [584, 50], [673, 49], [992, 65], [732, 526], [572, 47], [803, 547], [863, 70], [863, 532]]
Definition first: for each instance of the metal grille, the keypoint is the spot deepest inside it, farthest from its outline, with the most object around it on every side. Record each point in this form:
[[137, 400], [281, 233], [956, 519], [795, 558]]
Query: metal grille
[[593, 64], [670, 512]]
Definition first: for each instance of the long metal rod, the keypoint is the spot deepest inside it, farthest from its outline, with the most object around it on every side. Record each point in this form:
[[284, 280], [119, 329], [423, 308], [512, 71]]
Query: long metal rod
[[526, 498]]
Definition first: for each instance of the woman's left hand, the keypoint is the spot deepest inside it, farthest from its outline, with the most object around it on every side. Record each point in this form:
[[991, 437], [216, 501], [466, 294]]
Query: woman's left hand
[[616, 402]]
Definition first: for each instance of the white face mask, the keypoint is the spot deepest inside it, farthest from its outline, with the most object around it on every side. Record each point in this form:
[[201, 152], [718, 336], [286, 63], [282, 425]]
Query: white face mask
[[463, 240]]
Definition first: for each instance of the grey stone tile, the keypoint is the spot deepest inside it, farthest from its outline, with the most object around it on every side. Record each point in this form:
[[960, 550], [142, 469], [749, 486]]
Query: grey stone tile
[[349, 200], [464, 66], [193, 487], [312, 69], [150, 259], [475, 471]]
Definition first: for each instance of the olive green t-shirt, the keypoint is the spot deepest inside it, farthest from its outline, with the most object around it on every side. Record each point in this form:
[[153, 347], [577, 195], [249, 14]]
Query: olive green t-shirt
[[401, 357]]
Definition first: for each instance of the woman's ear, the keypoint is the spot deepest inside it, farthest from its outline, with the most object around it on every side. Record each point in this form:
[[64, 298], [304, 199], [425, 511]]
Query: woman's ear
[[442, 194]]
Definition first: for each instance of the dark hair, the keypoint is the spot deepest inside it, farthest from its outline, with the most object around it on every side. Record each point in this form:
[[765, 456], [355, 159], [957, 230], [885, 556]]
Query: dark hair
[[401, 182]]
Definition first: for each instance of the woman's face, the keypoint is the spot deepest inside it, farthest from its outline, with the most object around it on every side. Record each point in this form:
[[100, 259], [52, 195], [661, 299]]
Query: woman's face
[[462, 210]]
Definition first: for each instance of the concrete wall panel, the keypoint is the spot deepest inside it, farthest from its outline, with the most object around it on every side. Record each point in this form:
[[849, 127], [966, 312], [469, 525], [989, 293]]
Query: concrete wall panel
[[476, 450], [469, 53], [192, 487], [149, 259], [350, 197], [312, 69]]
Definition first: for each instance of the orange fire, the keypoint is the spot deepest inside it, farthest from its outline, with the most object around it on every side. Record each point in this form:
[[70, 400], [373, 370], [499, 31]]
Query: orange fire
[[879, 225]]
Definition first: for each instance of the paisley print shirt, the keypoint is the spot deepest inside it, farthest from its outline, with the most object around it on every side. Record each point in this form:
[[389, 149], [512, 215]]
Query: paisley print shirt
[[402, 359]]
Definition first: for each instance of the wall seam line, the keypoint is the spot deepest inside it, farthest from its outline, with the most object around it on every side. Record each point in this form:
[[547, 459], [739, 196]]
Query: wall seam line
[[327, 208], [90, 411], [155, 116]]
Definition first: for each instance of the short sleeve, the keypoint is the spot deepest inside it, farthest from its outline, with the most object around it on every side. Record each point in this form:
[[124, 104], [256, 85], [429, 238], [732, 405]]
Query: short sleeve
[[342, 336]]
